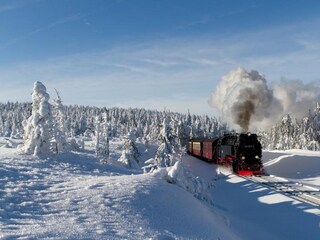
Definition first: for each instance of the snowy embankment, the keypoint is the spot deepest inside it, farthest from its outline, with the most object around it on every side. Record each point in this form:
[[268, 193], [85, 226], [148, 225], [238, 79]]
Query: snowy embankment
[[299, 165], [253, 211], [76, 197]]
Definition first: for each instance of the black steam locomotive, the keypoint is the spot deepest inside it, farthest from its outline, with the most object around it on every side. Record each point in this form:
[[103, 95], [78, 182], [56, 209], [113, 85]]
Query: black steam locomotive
[[241, 152]]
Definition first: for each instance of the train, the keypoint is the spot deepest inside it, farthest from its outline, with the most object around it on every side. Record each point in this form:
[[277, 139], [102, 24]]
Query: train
[[241, 152]]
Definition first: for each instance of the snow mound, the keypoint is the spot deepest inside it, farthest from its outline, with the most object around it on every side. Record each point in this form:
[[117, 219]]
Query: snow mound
[[179, 175]]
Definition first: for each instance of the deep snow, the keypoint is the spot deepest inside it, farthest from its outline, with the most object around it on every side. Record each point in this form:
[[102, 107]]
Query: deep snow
[[76, 197], [256, 212], [298, 165]]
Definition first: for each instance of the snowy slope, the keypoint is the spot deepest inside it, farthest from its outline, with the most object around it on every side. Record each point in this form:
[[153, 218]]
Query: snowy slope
[[76, 197], [299, 165], [253, 211]]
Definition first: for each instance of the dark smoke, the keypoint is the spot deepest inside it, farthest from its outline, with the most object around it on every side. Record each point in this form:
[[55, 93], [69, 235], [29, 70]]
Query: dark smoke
[[246, 102], [243, 112]]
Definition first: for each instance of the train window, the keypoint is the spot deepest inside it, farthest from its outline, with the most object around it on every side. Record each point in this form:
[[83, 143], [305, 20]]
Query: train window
[[196, 146], [226, 150]]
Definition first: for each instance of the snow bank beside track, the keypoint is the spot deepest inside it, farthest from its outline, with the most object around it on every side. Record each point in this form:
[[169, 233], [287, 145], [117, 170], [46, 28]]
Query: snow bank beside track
[[300, 165]]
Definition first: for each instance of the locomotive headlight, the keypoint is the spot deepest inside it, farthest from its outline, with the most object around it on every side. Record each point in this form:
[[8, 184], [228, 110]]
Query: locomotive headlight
[[243, 157], [257, 157]]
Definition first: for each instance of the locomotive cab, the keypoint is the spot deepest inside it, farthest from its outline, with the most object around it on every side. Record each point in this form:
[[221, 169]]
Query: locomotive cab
[[226, 146]]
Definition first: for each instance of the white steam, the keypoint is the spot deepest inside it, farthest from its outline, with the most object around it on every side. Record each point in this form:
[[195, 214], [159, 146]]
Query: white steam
[[247, 103]]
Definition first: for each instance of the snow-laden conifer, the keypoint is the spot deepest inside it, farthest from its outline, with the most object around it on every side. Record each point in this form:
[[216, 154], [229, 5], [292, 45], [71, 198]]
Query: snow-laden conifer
[[60, 129], [130, 154], [102, 138], [316, 120], [167, 145], [39, 126]]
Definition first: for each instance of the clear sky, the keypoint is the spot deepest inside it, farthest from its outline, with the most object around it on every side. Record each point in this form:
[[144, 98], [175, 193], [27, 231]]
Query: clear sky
[[154, 54]]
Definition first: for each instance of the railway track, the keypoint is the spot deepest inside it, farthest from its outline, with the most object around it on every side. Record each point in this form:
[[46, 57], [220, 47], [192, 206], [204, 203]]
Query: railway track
[[295, 190]]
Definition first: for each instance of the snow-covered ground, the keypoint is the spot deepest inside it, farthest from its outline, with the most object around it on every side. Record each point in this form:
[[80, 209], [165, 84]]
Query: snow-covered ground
[[76, 197], [253, 211], [298, 165]]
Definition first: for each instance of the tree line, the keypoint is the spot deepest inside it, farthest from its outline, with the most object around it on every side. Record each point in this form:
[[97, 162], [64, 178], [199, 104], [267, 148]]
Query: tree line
[[292, 133], [46, 125], [170, 130]]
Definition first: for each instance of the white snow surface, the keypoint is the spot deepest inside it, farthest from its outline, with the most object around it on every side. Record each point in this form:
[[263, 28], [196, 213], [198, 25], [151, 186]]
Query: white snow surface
[[297, 165], [74, 196]]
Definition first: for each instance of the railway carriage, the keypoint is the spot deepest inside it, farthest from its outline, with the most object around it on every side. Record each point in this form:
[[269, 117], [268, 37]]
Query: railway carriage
[[241, 152]]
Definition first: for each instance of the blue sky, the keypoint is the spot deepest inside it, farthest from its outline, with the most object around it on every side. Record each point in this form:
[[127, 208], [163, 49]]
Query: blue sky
[[152, 53]]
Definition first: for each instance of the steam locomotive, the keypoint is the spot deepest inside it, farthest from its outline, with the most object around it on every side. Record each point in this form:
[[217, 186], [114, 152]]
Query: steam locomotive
[[241, 152]]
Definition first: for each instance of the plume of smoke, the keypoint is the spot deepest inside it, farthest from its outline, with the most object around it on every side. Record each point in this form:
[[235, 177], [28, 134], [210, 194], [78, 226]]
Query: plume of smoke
[[296, 97], [247, 103]]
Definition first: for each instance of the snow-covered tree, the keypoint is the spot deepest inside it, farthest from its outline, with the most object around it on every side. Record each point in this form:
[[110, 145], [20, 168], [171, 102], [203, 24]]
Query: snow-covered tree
[[274, 135], [102, 138], [316, 121], [60, 129], [39, 126], [130, 154], [286, 130], [183, 134], [167, 145]]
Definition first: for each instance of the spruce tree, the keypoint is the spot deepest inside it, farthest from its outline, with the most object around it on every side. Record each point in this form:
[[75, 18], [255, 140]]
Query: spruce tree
[[39, 126], [130, 154], [102, 138], [60, 129], [167, 143]]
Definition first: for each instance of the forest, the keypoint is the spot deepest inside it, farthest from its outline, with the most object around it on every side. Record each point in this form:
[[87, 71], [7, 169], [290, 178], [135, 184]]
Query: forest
[[145, 126], [81, 121]]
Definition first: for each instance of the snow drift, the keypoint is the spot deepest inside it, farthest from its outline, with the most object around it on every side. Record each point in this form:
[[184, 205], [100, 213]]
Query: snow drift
[[247, 102]]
